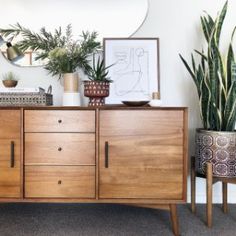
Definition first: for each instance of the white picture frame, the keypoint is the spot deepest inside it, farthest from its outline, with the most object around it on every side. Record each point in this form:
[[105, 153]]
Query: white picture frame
[[135, 68]]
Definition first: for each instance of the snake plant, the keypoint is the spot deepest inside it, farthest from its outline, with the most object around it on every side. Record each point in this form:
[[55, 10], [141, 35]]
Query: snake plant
[[99, 72], [215, 77]]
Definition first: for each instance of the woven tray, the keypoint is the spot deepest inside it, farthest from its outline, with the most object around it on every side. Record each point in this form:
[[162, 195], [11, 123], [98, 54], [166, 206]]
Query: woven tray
[[26, 99]]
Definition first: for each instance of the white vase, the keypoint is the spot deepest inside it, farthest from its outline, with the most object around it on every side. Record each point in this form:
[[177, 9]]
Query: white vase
[[71, 99], [71, 95]]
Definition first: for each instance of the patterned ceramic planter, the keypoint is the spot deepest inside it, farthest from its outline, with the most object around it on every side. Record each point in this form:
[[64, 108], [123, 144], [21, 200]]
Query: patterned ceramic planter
[[219, 148], [97, 92]]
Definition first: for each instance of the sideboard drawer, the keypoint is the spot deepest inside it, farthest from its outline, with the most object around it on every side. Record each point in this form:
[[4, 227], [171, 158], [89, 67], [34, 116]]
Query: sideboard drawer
[[59, 121], [60, 182], [60, 148]]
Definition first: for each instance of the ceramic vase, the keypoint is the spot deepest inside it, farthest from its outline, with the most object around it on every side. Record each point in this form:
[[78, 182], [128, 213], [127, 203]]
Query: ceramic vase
[[219, 148], [71, 95], [97, 92]]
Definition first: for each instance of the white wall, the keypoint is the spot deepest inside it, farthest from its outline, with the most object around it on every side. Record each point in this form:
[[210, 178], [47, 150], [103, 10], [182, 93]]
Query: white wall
[[177, 25]]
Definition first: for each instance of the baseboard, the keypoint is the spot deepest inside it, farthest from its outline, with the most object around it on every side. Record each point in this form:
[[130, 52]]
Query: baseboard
[[217, 198]]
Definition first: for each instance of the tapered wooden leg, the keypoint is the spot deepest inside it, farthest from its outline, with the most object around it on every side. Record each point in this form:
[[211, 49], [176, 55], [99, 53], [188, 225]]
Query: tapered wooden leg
[[209, 194], [193, 185], [174, 219], [224, 193]]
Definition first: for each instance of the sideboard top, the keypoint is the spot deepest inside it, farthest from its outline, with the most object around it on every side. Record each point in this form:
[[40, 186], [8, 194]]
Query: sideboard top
[[106, 107]]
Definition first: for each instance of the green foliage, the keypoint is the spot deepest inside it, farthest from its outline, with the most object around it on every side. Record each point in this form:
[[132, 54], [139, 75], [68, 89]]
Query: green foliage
[[98, 72], [214, 77], [9, 76], [62, 53]]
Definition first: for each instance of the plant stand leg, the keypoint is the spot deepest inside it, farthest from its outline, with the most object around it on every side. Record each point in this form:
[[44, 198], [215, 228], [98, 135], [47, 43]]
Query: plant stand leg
[[224, 193], [193, 185], [209, 194], [174, 219]]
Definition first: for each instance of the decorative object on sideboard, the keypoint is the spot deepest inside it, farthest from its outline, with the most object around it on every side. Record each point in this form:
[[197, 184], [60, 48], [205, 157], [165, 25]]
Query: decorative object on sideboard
[[26, 97], [71, 95], [63, 54], [97, 89], [9, 80], [136, 68], [215, 80], [156, 101], [135, 103]]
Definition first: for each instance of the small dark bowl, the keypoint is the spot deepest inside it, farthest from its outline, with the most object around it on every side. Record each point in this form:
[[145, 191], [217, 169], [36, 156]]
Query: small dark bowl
[[135, 103]]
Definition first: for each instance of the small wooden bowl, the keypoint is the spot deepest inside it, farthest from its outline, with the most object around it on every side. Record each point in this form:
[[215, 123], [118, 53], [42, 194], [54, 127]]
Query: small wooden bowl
[[9, 83]]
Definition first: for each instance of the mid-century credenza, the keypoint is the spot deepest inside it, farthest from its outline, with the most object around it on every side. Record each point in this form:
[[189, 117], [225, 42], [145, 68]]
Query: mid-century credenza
[[115, 154]]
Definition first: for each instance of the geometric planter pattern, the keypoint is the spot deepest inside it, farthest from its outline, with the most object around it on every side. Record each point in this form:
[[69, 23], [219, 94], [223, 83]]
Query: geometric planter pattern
[[96, 91], [217, 147]]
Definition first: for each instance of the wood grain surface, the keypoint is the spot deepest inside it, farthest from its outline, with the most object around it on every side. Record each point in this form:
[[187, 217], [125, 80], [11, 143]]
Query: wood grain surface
[[10, 131], [59, 121], [10, 124], [59, 149], [146, 158], [60, 181]]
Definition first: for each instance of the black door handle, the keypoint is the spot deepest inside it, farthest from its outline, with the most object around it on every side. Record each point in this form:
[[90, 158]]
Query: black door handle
[[106, 154], [12, 154]]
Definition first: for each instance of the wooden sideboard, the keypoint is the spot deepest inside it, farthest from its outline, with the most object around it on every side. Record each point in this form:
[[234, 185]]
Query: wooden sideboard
[[124, 155]]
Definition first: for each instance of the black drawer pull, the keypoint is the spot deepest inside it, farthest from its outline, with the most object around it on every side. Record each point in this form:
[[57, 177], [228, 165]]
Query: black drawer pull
[[12, 154], [106, 154], [59, 149], [59, 121]]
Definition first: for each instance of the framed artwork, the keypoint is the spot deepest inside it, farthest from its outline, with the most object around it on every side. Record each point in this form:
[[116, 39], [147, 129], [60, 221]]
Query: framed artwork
[[135, 68]]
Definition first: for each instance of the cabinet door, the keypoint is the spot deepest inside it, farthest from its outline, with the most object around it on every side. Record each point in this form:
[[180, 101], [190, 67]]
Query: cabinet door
[[10, 153], [141, 154]]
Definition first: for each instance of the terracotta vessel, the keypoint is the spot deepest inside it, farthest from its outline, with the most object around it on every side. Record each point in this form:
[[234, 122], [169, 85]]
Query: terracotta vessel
[[97, 92]]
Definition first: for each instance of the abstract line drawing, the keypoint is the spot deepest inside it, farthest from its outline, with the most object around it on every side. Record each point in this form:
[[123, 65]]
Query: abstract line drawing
[[131, 67], [135, 70]]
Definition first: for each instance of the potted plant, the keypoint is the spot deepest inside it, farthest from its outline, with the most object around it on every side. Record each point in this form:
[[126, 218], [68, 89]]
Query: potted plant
[[97, 87], [63, 55], [215, 79], [9, 80]]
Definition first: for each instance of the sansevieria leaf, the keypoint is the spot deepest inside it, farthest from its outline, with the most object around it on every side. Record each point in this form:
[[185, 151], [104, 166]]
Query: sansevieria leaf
[[215, 77]]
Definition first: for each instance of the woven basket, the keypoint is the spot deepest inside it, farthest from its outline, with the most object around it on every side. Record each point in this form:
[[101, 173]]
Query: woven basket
[[26, 99]]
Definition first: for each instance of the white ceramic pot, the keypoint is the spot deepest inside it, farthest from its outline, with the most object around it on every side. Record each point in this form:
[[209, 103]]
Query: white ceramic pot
[[71, 99]]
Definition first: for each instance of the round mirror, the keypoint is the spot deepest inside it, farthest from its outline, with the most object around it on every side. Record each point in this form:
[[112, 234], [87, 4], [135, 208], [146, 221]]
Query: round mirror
[[110, 18]]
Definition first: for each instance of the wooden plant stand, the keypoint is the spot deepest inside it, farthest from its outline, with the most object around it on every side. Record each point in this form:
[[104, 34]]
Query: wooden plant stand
[[210, 180]]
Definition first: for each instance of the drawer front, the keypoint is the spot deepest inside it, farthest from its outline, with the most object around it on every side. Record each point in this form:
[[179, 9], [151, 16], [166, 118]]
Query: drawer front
[[59, 182], [140, 122], [59, 149], [59, 121]]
